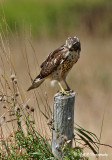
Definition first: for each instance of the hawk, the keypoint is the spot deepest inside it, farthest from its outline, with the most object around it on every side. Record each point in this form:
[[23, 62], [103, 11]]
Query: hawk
[[59, 63]]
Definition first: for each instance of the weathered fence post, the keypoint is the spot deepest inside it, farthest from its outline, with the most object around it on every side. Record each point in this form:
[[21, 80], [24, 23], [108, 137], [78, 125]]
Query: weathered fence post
[[63, 122]]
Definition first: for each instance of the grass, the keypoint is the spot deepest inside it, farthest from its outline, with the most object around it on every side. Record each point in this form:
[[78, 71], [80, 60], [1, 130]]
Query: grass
[[49, 18]]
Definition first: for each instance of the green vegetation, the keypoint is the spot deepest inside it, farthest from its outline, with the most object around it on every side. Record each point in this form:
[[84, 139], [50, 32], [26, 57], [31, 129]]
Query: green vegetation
[[34, 146], [57, 17]]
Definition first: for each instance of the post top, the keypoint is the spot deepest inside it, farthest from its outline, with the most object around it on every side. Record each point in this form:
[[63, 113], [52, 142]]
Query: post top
[[63, 96]]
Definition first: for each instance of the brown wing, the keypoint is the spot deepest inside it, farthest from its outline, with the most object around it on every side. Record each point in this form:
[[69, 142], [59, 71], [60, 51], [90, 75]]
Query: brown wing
[[51, 55], [52, 62]]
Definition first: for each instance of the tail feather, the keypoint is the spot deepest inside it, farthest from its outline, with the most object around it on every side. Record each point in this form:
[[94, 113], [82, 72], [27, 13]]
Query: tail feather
[[36, 83]]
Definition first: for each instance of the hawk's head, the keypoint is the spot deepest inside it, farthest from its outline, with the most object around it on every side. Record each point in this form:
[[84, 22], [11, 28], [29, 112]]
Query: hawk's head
[[73, 44]]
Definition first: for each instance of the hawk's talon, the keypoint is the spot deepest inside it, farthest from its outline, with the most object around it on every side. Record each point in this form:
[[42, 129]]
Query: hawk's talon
[[68, 90], [64, 92]]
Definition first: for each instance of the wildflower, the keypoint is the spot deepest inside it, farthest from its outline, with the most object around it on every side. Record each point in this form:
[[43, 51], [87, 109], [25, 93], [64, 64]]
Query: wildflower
[[26, 106], [57, 147], [12, 77], [4, 98], [4, 118], [32, 109], [60, 143], [17, 108], [57, 136], [49, 121], [4, 106], [17, 94], [15, 81], [64, 138], [1, 98]]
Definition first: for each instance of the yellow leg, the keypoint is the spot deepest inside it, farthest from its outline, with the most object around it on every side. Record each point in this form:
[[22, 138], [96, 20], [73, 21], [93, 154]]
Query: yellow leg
[[62, 90], [68, 88]]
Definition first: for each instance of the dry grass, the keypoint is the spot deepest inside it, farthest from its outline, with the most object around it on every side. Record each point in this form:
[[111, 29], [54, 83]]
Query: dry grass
[[91, 78]]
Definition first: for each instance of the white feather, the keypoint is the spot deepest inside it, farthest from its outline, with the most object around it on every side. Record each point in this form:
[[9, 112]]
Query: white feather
[[37, 80], [53, 82], [54, 61]]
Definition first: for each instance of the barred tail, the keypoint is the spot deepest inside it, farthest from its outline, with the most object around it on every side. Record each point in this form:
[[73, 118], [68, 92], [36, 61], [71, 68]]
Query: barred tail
[[36, 83]]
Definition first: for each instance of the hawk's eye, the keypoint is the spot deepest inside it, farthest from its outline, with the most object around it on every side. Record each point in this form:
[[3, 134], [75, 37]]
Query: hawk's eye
[[76, 45]]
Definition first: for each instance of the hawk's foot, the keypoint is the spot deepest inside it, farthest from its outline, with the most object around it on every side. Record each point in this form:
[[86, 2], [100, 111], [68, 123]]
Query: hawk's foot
[[64, 92]]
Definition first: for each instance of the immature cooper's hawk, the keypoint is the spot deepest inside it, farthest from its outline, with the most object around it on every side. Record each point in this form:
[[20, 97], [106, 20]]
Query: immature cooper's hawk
[[58, 63]]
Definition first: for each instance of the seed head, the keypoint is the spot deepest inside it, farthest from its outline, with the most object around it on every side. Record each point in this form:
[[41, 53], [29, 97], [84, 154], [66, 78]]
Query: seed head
[[13, 76], [32, 109], [57, 136], [1, 98], [26, 106], [4, 106], [64, 138], [15, 81], [17, 94], [17, 108], [57, 147], [49, 121], [60, 143], [4, 118]]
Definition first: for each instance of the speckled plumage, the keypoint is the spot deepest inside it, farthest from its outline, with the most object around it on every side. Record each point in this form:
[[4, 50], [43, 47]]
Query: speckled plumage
[[59, 62]]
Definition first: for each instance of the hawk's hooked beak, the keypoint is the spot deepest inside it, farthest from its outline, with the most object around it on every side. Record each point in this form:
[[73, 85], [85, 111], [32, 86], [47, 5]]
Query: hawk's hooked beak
[[75, 46]]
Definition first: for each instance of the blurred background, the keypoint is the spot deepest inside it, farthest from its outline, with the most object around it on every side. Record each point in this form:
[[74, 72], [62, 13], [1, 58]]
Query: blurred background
[[41, 26], [58, 18]]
